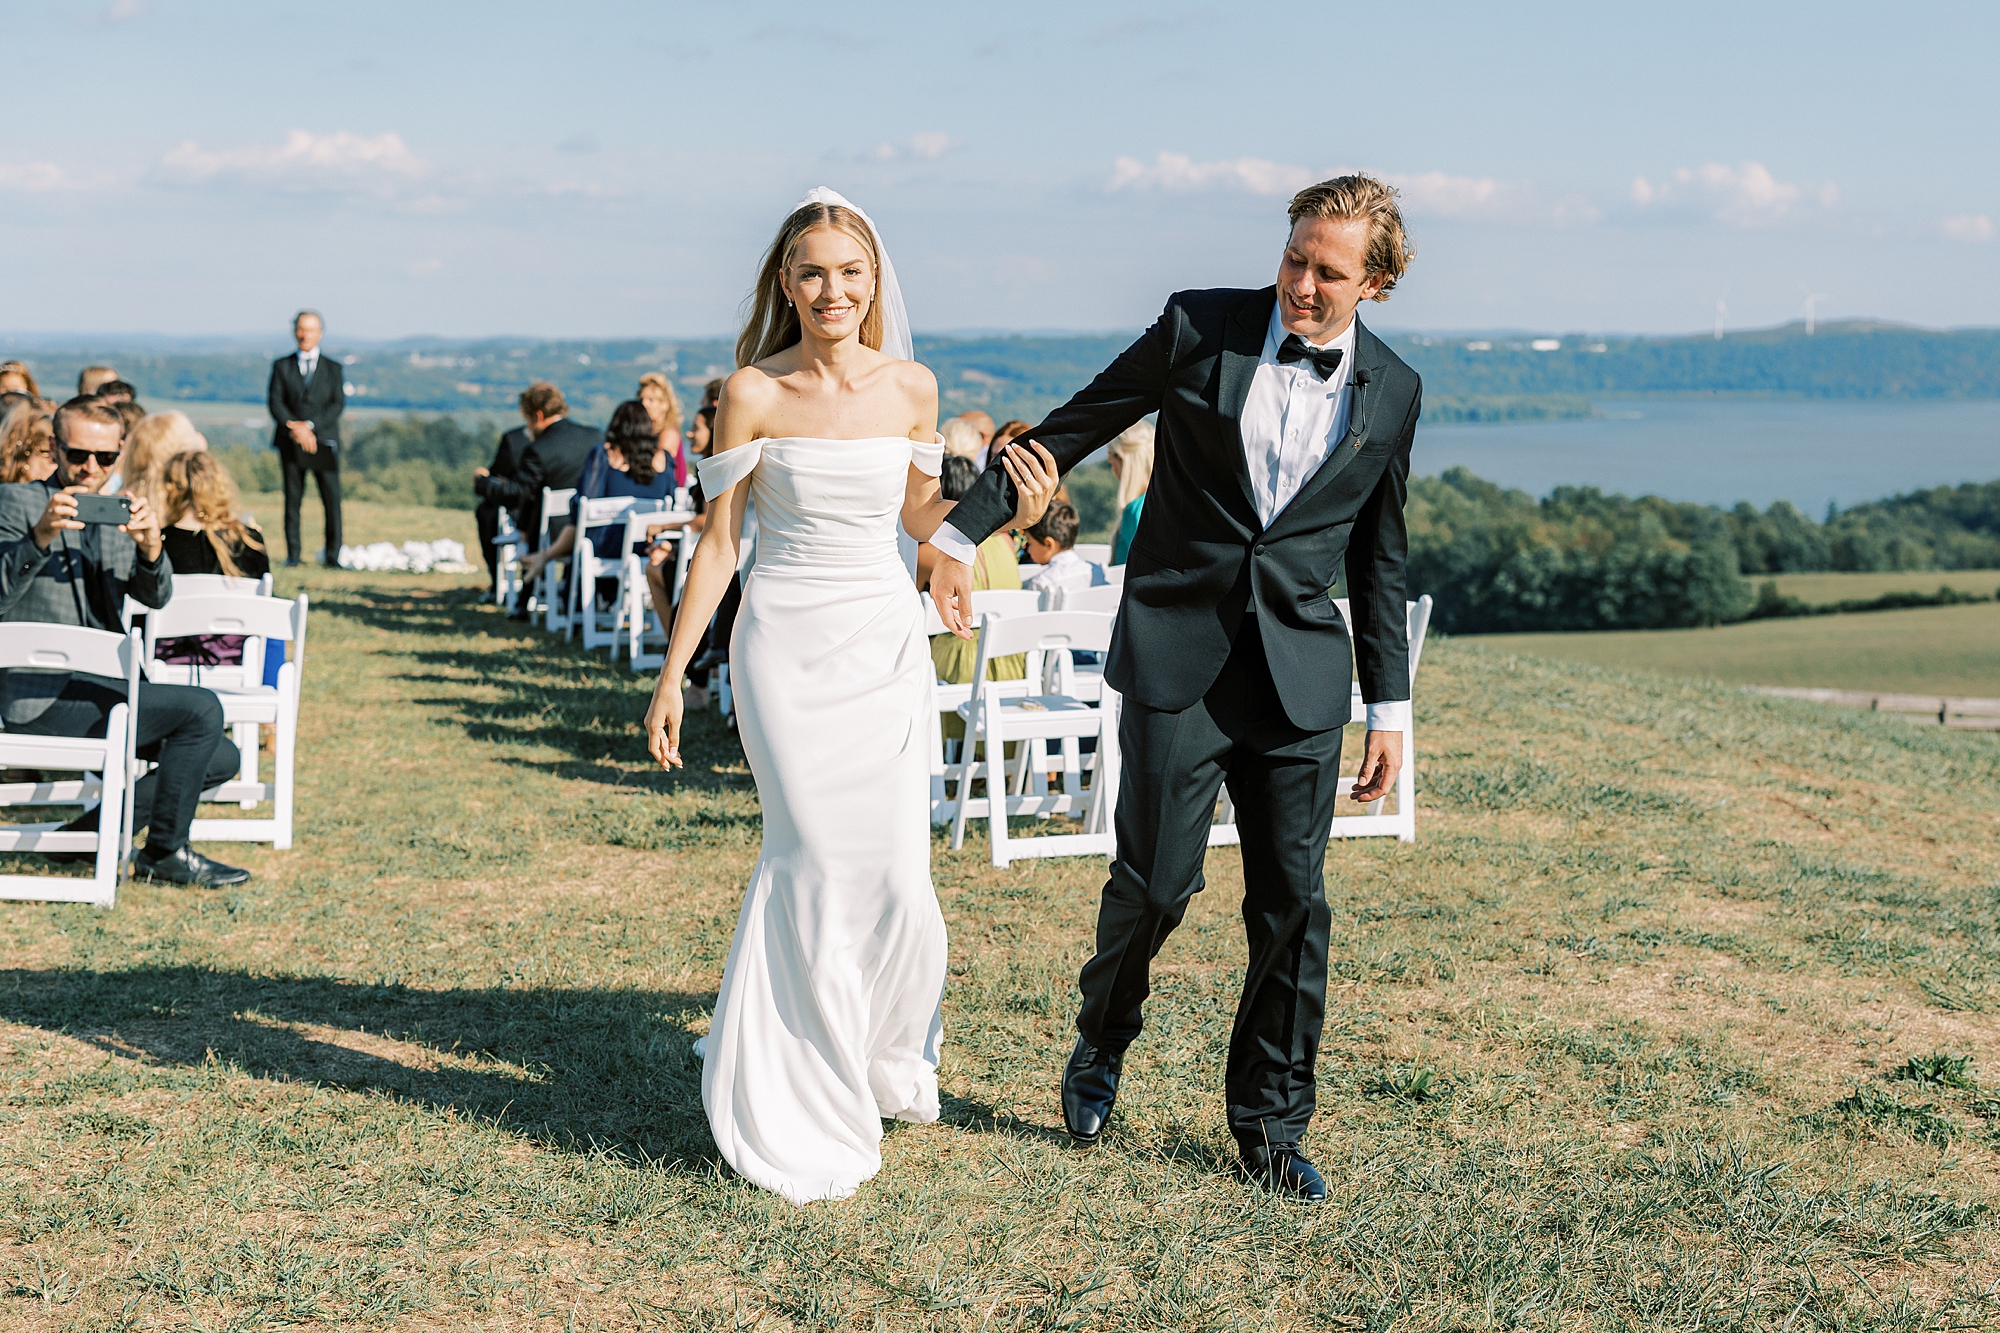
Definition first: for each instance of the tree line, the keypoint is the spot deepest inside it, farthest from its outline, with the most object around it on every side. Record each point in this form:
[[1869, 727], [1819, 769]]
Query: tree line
[[1500, 560], [1497, 559]]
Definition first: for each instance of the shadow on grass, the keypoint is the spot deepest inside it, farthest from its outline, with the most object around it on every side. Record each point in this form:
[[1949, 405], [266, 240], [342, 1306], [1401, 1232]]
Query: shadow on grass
[[579, 1070], [552, 694]]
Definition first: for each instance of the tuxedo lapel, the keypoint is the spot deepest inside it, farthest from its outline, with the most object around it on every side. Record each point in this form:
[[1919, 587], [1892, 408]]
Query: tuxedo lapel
[[1369, 358], [1242, 349]]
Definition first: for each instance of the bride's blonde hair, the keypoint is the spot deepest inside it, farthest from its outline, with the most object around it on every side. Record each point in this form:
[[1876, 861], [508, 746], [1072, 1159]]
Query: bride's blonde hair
[[774, 321]]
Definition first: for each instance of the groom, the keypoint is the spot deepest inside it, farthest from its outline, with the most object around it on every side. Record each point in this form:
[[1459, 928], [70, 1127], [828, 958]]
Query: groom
[[1283, 456]]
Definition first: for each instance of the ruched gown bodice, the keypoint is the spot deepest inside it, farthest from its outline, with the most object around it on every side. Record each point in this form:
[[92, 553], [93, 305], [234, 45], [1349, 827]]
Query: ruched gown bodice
[[828, 1018]]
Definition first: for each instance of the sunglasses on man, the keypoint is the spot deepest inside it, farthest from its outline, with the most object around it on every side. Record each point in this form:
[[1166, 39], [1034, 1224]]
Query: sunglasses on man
[[78, 457]]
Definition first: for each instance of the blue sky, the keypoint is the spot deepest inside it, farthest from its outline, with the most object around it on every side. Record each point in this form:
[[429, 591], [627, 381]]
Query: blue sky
[[599, 169]]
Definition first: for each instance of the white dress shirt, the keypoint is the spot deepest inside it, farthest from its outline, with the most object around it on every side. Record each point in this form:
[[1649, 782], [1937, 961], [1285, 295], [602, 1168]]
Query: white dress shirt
[[1068, 570], [1292, 421], [308, 362]]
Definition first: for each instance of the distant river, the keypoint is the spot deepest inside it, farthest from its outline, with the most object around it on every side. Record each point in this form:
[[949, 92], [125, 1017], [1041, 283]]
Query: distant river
[[1722, 451]]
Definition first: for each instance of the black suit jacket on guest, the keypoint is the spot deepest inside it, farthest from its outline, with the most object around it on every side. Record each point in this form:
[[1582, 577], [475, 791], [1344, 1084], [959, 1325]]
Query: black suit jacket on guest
[[496, 487], [320, 402], [554, 459], [1201, 557]]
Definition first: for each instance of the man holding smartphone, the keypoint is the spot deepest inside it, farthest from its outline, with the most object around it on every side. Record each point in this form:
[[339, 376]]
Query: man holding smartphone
[[71, 556]]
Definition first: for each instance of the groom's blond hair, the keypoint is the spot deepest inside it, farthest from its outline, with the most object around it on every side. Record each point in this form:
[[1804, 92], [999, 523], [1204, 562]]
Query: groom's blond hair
[[1357, 197]]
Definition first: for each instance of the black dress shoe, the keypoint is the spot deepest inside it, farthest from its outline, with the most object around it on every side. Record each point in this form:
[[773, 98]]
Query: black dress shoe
[[1283, 1170], [187, 866], [291, 562], [1089, 1087]]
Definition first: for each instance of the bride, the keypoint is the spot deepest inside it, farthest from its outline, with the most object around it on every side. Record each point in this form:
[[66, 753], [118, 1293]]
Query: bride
[[829, 1014]]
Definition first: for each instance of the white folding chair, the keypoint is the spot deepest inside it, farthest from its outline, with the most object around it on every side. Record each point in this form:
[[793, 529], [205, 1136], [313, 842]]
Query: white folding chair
[[1008, 602], [1097, 553], [1104, 598], [555, 513], [1115, 575], [638, 619], [247, 703], [1378, 822], [992, 720], [509, 545], [209, 585], [600, 626], [105, 766]]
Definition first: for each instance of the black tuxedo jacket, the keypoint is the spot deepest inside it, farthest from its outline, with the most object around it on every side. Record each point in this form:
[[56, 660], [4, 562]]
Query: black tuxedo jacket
[[554, 459], [506, 466], [1201, 560], [320, 402]]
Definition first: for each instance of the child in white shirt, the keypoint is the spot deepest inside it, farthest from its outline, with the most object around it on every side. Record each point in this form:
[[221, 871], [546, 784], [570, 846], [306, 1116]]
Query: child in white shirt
[[1052, 543]]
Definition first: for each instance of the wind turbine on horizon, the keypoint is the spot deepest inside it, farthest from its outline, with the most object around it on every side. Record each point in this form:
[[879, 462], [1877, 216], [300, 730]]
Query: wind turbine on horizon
[[1721, 311], [1813, 299]]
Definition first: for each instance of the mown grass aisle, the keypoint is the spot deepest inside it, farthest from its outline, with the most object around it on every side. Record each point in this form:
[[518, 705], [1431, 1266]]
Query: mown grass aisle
[[1676, 1015]]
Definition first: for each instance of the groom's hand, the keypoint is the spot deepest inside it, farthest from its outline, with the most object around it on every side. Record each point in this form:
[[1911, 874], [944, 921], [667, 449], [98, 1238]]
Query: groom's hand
[[1381, 760], [951, 591]]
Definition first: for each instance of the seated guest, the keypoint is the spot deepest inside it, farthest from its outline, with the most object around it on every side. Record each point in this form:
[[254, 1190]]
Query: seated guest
[[57, 570], [982, 423], [506, 466], [961, 440], [156, 439], [92, 378], [553, 460], [663, 406], [1051, 544], [1006, 434], [15, 377], [1132, 464], [27, 445], [117, 391], [206, 533], [631, 461], [130, 414]]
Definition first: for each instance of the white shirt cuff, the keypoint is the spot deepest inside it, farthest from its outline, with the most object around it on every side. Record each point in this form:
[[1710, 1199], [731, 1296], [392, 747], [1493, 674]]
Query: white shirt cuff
[[1391, 716], [950, 541]]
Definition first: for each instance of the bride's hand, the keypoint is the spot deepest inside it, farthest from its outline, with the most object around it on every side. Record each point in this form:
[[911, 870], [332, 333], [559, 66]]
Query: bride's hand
[[1035, 478], [663, 727]]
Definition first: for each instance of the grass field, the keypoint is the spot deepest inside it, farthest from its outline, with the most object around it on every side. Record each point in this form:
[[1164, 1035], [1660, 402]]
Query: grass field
[[1818, 589], [362, 523], [1678, 1014], [1924, 650]]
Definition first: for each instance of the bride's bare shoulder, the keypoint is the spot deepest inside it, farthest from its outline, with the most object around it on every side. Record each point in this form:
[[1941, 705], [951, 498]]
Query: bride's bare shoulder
[[915, 379]]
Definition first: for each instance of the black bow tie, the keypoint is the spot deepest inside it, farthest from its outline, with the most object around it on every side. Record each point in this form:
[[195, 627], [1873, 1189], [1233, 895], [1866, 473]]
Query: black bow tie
[[1294, 348]]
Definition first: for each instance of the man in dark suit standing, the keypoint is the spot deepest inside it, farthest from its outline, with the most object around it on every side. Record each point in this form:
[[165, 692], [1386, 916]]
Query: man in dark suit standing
[[307, 396], [554, 459], [1282, 457]]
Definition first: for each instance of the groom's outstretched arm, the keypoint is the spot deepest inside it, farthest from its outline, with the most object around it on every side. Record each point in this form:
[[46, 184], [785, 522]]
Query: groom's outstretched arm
[[1122, 393]]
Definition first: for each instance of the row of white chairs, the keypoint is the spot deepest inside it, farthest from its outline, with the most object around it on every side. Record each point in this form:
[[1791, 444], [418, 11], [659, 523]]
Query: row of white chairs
[[107, 769], [631, 625], [1048, 714]]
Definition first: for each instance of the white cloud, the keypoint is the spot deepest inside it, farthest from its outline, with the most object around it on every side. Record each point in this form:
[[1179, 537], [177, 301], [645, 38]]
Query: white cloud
[[341, 161], [925, 147], [1179, 172], [1435, 194], [1969, 227], [125, 11], [35, 177], [1747, 195]]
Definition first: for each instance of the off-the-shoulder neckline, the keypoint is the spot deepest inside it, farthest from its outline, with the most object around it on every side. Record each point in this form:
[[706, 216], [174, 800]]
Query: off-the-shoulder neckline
[[828, 439]]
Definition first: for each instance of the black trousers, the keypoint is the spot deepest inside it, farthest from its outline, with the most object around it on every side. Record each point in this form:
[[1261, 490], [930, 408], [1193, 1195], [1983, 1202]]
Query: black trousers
[[1283, 781], [180, 728], [487, 516], [329, 499]]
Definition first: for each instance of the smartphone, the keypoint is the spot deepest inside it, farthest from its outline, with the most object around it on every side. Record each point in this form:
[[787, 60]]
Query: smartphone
[[111, 509]]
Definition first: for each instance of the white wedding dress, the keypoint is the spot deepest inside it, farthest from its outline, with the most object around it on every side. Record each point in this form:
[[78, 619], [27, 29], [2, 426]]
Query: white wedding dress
[[829, 1015]]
